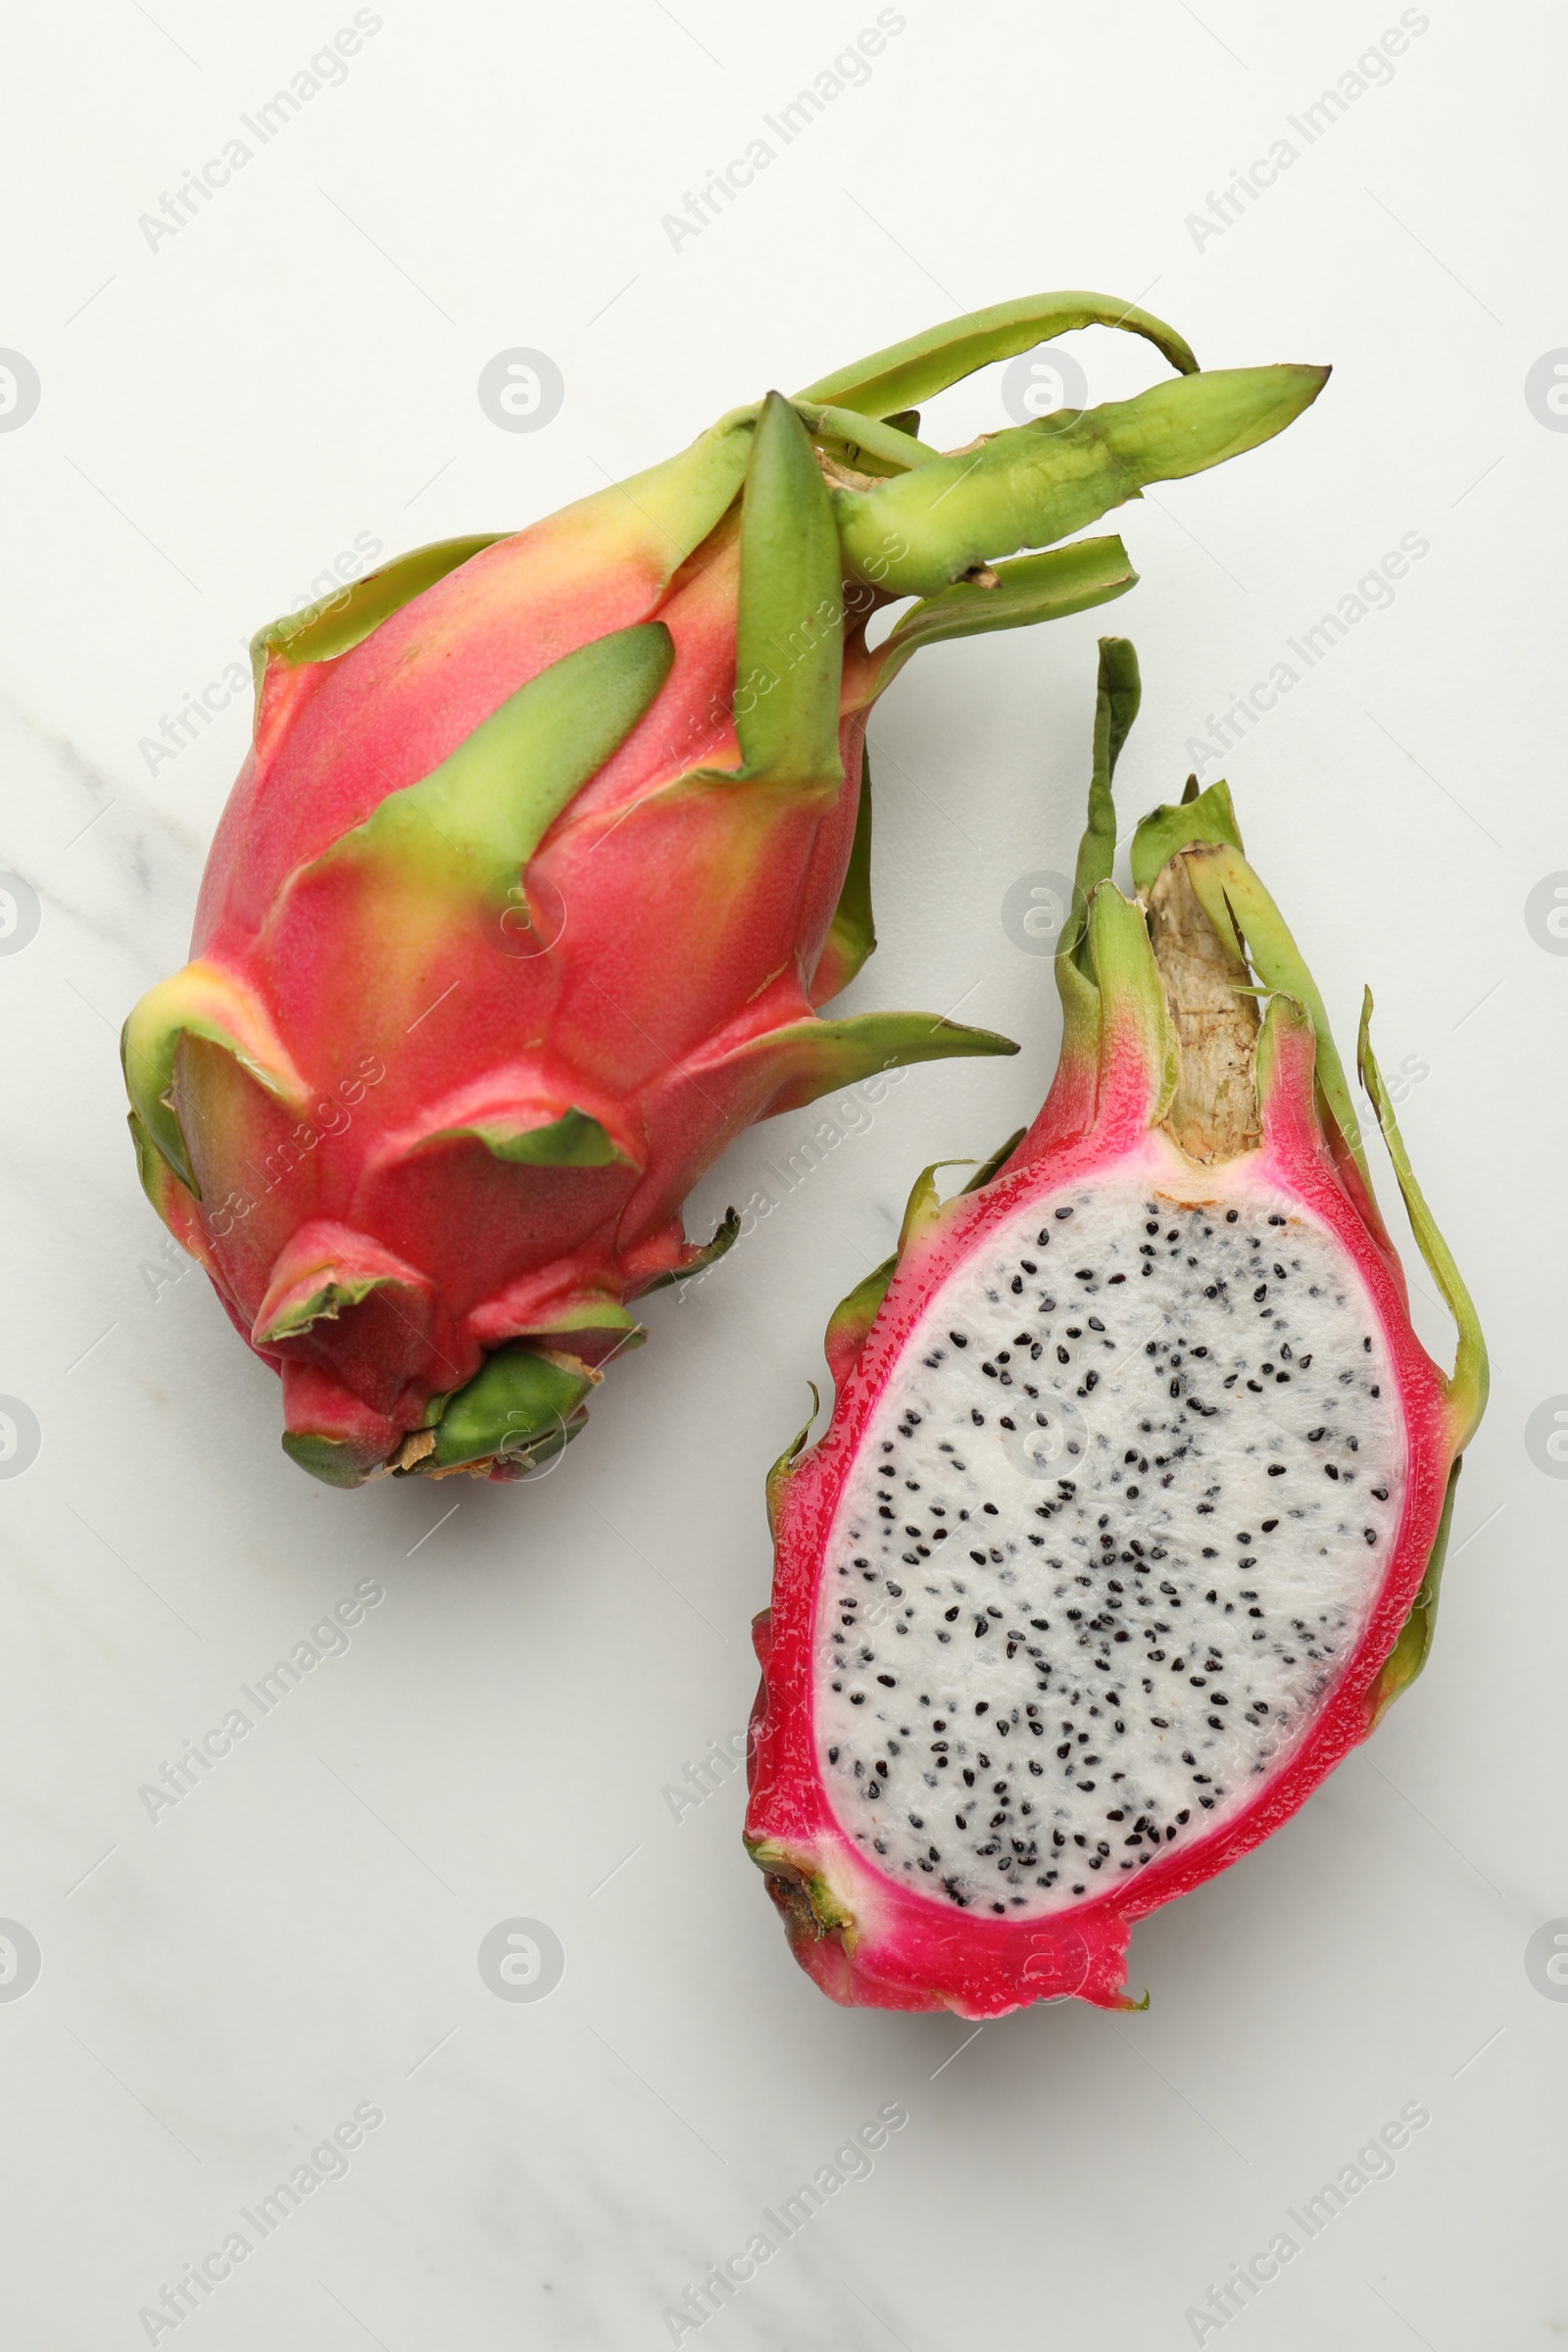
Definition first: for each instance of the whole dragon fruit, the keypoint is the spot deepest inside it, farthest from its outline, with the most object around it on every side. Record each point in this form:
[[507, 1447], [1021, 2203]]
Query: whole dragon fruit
[[546, 854], [1131, 1514]]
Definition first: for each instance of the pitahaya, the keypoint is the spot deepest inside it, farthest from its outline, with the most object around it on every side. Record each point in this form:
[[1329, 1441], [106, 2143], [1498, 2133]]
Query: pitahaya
[[547, 851], [1131, 1513]]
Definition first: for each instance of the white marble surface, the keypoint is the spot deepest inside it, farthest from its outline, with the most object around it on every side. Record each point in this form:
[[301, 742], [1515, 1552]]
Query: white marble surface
[[226, 411]]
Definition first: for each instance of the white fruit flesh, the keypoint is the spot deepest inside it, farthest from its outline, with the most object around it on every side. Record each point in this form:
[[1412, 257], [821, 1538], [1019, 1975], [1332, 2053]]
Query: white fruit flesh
[[1045, 1653]]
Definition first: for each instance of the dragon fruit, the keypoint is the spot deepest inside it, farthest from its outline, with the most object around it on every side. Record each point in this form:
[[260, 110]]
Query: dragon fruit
[[1130, 1516], [547, 851]]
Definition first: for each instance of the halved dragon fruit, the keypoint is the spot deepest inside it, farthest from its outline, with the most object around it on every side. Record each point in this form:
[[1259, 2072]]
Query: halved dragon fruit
[[1131, 1513], [548, 852]]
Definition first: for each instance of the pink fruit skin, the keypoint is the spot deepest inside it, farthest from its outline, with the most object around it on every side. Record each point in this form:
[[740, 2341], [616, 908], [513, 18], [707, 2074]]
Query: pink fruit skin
[[692, 930], [912, 1953]]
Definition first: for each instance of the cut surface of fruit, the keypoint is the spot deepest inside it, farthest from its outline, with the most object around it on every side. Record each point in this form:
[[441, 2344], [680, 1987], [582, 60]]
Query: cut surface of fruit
[[1095, 1646], [1135, 1485]]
